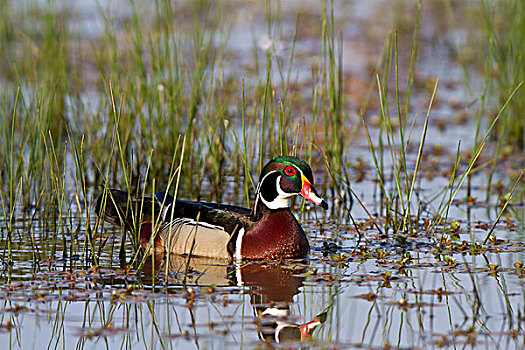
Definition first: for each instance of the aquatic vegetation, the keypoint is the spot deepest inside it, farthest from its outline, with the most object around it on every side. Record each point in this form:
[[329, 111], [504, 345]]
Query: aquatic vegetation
[[404, 122]]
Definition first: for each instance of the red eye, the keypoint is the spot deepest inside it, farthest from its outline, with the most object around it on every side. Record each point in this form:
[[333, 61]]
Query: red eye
[[289, 170]]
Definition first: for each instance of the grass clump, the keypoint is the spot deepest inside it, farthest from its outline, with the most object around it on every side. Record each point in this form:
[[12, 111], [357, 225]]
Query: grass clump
[[505, 21]]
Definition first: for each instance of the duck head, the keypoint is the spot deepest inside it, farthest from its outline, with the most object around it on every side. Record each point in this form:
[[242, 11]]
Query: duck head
[[283, 178]]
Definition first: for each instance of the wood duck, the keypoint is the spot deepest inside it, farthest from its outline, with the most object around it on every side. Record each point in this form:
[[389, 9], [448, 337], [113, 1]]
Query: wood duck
[[268, 231]]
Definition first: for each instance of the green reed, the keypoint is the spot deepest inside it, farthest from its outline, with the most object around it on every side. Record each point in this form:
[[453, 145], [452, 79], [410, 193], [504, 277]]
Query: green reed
[[506, 24], [398, 202], [397, 193]]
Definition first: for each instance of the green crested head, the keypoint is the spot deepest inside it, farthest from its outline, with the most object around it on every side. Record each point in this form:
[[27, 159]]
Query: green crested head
[[281, 163], [284, 177]]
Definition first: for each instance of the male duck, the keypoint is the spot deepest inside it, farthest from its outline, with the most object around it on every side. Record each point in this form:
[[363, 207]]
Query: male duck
[[268, 231]]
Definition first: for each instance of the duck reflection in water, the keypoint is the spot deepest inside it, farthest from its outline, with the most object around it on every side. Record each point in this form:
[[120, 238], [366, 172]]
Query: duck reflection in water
[[271, 288]]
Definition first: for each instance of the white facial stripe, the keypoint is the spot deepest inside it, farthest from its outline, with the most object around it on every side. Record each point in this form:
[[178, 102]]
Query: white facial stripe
[[300, 172], [259, 190], [258, 194]]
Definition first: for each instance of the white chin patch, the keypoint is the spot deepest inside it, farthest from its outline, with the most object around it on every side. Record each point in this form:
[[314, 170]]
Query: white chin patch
[[278, 203], [282, 200]]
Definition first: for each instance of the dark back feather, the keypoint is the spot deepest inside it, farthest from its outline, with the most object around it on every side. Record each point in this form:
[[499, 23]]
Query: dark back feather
[[128, 211]]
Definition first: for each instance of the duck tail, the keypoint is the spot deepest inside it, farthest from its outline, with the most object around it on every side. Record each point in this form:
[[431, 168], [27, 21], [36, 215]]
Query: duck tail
[[125, 209]]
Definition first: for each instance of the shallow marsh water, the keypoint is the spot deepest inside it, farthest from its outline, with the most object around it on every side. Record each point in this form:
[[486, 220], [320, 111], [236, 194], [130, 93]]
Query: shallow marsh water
[[379, 291], [382, 293]]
